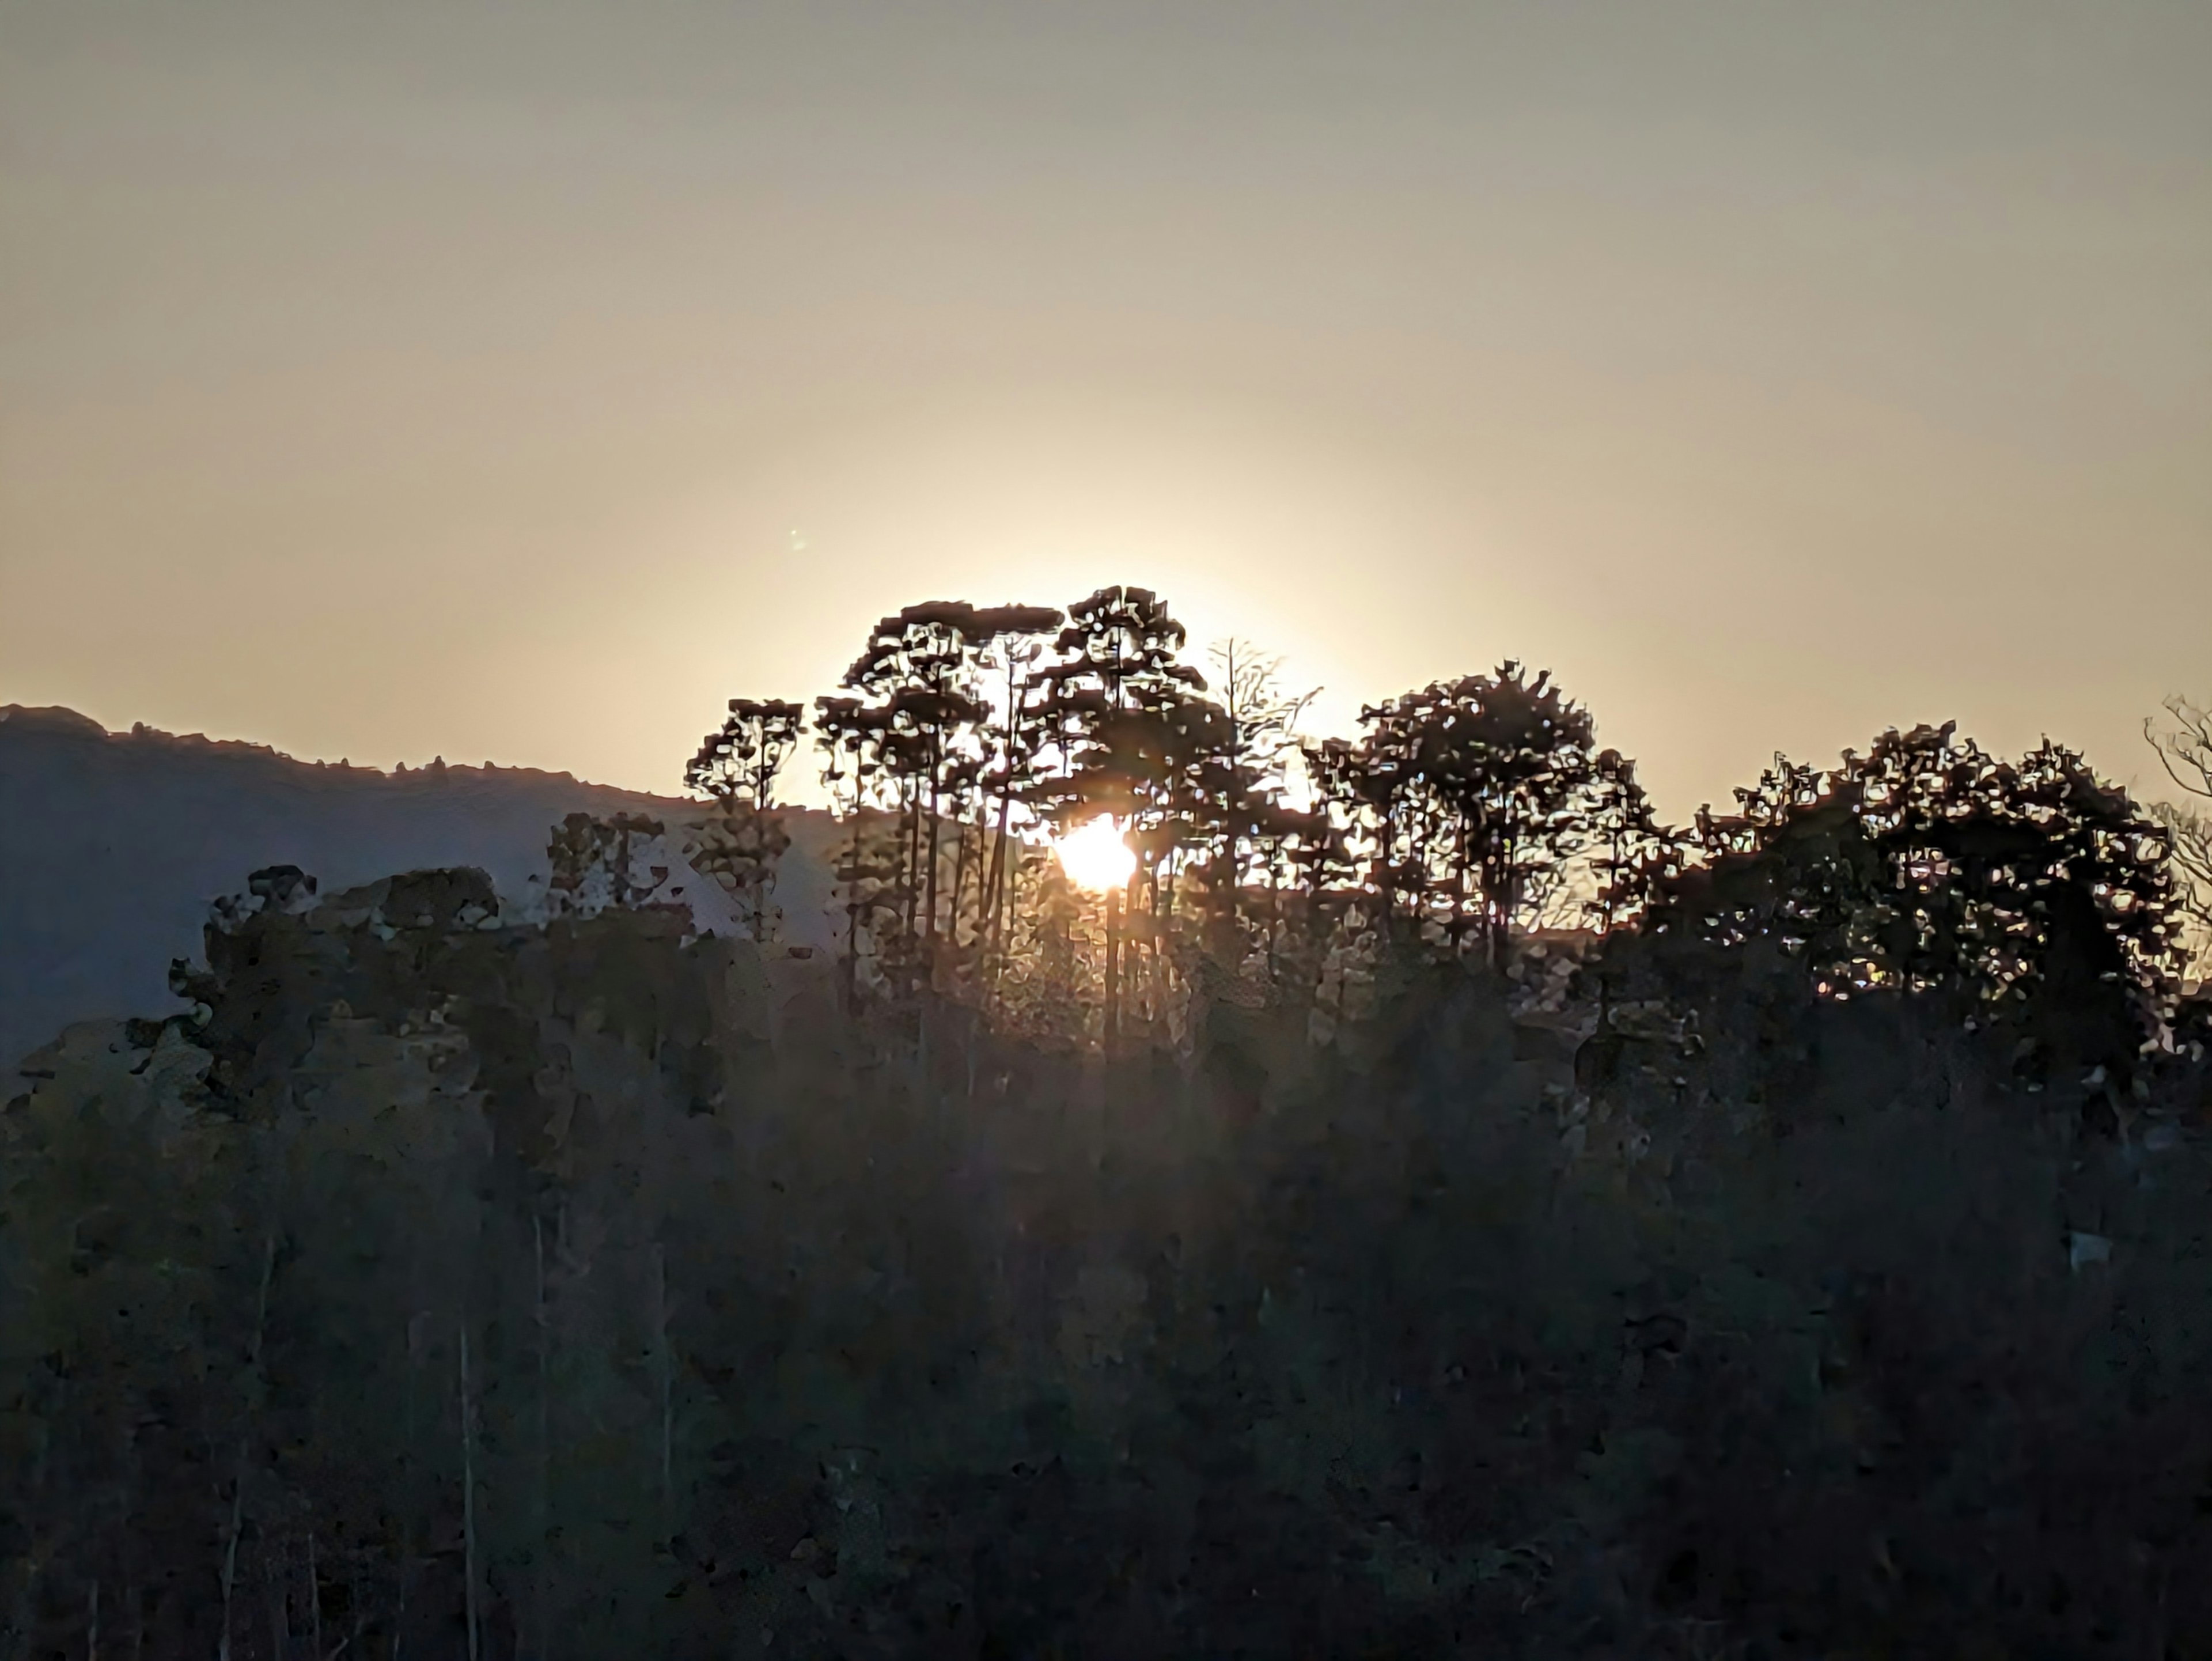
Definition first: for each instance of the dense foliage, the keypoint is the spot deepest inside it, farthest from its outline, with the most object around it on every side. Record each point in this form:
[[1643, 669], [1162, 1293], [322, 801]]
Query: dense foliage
[[1465, 816], [1304, 1251]]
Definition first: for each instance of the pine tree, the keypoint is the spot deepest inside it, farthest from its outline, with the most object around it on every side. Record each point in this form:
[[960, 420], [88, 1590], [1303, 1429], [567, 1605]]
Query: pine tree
[[738, 766]]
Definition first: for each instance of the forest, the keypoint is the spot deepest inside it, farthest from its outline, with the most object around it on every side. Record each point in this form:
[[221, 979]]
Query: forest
[[1393, 1196]]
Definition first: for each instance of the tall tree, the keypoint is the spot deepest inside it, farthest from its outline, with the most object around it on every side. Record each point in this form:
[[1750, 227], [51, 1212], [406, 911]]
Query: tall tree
[[1019, 735], [1259, 746], [922, 667], [1124, 642], [859, 768], [1466, 794], [738, 766], [1630, 851], [1120, 711], [2185, 749]]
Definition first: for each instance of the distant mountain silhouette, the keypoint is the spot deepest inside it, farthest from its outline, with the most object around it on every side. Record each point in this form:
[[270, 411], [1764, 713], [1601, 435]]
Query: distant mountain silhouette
[[112, 845]]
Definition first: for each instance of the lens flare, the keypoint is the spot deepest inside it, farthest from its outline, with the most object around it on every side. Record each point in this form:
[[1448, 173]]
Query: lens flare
[[1094, 856]]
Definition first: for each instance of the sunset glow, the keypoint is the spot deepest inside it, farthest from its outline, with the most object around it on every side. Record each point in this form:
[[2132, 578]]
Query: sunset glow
[[1095, 856]]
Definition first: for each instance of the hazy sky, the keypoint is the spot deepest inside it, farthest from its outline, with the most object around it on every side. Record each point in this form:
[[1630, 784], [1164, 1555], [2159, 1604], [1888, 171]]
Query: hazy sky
[[522, 380]]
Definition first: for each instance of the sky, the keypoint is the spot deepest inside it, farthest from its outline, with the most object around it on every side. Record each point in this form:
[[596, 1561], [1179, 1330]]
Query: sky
[[521, 382]]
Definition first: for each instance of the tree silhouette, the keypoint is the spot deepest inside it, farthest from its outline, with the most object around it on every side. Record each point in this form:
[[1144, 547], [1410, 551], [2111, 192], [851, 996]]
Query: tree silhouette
[[1250, 830], [1124, 642], [2031, 896], [921, 668], [452, 1277], [2184, 744], [1118, 712], [1010, 646], [2185, 749], [1466, 796], [858, 769], [595, 861], [1631, 852], [738, 766]]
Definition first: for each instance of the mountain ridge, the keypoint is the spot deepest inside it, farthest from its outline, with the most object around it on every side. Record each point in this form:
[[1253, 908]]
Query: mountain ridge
[[113, 844]]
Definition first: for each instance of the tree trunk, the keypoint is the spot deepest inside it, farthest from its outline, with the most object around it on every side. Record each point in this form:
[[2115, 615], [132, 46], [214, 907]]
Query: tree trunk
[[280, 1624], [1274, 916], [936, 800], [315, 1601], [959, 877], [540, 1537], [1110, 1037], [399, 1609], [360, 1611], [1003, 901], [667, 1381], [238, 1477], [1508, 899], [912, 897], [994, 877], [986, 908], [469, 1499]]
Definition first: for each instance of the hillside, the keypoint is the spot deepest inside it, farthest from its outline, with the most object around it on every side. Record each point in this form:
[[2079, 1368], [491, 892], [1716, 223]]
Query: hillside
[[112, 844], [1202, 1267], [592, 1289]]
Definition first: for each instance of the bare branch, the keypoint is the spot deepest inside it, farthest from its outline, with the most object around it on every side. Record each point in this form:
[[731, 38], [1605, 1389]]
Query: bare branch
[[2185, 749]]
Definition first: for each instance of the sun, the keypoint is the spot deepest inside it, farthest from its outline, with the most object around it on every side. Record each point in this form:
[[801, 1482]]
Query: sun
[[1095, 856]]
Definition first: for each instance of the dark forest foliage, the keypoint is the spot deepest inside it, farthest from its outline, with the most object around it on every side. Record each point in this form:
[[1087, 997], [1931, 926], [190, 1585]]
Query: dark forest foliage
[[1435, 1207]]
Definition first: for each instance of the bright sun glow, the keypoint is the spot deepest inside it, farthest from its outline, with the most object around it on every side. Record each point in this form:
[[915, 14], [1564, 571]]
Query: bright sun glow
[[1095, 856]]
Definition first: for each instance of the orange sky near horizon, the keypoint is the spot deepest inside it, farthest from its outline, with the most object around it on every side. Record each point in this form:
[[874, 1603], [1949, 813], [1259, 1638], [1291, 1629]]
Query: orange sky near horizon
[[521, 382]]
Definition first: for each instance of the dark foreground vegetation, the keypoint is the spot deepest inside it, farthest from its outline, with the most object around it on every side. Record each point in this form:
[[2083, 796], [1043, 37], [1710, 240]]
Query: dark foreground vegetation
[[1440, 1210]]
